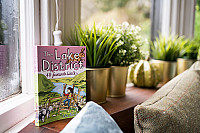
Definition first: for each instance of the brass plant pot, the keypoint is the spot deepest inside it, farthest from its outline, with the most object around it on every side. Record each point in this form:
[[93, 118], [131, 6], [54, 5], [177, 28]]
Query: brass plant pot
[[184, 64], [167, 69], [97, 84], [118, 80]]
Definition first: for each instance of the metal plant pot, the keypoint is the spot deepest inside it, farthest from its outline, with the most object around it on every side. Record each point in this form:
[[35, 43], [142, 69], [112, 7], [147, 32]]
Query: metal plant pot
[[184, 64], [167, 69], [97, 84], [118, 80]]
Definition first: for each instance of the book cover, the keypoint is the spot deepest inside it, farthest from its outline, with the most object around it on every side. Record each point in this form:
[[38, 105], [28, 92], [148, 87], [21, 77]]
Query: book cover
[[60, 82]]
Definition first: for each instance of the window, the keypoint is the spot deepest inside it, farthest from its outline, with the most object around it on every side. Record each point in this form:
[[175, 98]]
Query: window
[[9, 48], [197, 22], [36, 22], [135, 12], [21, 34]]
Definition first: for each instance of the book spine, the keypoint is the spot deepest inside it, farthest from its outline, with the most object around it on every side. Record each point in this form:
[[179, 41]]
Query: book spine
[[36, 86]]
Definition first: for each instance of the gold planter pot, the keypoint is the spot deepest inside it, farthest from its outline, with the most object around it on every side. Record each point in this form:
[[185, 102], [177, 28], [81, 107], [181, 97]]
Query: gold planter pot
[[97, 84], [167, 69], [118, 80], [184, 64]]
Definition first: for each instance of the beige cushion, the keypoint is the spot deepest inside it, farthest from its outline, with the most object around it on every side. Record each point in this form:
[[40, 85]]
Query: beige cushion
[[173, 108], [195, 66]]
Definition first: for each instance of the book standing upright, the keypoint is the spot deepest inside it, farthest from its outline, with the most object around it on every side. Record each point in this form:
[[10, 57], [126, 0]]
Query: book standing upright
[[60, 82]]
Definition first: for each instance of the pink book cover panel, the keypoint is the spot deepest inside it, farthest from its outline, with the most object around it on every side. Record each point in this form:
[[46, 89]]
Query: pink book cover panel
[[60, 82]]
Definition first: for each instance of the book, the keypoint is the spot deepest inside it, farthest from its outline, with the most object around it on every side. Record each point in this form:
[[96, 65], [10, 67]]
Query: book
[[60, 82]]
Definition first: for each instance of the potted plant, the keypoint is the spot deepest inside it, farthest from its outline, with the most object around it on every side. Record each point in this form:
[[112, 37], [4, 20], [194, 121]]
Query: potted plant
[[99, 49], [128, 51], [165, 51], [3, 51], [188, 55]]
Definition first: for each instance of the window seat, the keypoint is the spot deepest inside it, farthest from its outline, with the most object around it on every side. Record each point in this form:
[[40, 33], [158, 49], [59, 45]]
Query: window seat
[[121, 109]]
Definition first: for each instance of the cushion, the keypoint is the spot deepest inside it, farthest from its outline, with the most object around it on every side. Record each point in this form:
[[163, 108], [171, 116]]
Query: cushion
[[195, 66], [173, 108], [92, 119]]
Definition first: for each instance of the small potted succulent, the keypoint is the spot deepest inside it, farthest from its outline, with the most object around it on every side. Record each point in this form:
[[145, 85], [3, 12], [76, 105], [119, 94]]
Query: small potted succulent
[[165, 51], [129, 42], [188, 55], [99, 50]]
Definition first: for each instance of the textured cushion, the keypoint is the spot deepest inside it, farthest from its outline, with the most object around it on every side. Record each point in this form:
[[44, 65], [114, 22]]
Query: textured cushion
[[92, 119], [173, 108], [195, 66]]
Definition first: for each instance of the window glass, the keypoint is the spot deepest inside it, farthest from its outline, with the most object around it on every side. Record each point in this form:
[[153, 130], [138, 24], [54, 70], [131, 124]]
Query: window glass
[[197, 20], [135, 12], [9, 48]]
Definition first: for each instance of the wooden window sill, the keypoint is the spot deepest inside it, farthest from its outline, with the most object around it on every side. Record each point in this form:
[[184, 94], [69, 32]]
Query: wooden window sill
[[121, 109]]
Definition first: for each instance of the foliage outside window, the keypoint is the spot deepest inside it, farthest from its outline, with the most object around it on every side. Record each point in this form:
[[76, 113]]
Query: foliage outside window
[[135, 12], [197, 20]]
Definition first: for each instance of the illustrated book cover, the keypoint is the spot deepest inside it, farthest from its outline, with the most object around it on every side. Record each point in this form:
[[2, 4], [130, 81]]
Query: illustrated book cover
[[60, 82]]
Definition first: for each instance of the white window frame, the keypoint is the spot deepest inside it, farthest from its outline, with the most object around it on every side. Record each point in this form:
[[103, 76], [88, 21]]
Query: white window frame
[[16, 109], [70, 12], [178, 17]]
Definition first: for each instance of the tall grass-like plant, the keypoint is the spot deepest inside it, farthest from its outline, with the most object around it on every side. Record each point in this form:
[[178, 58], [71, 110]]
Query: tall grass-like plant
[[100, 45], [198, 56], [191, 49], [168, 48]]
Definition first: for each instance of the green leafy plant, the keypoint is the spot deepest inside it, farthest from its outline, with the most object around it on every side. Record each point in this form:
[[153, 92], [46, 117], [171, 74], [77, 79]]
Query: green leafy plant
[[100, 45], [191, 49], [198, 56], [129, 43], [168, 48]]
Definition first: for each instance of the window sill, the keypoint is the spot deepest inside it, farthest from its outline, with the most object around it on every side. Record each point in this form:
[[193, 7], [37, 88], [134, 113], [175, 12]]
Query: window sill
[[122, 114], [19, 126], [14, 110]]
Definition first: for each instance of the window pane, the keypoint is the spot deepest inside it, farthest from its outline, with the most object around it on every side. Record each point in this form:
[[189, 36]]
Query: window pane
[[9, 48], [135, 12], [197, 22]]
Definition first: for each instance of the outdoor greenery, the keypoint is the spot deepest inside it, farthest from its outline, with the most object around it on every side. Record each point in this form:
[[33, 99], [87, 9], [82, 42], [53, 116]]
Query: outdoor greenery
[[107, 5], [1, 33], [169, 48], [197, 18], [100, 44], [198, 4], [129, 43], [132, 11]]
